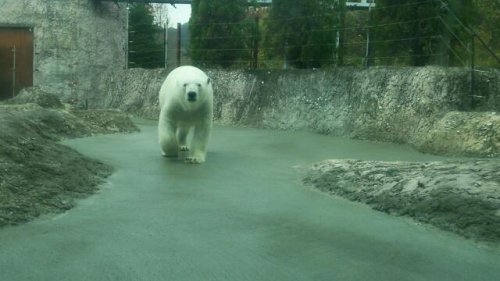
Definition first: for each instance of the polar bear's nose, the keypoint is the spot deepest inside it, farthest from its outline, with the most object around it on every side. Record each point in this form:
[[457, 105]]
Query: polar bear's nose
[[191, 96]]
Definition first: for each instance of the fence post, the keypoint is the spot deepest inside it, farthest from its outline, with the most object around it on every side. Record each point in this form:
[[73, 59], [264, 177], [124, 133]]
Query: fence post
[[179, 34], [127, 25], [341, 4], [285, 58], [14, 53], [255, 51], [472, 68], [369, 44], [165, 45]]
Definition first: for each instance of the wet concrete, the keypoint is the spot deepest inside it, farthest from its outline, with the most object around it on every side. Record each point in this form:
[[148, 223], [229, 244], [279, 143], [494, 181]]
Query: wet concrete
[[243, 215]]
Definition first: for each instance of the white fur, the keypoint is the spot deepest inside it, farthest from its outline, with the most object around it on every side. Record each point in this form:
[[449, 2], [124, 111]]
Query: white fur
[[178, 114]]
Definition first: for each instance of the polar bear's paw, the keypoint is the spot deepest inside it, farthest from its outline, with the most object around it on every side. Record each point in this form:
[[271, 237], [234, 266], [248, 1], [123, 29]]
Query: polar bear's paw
[[183, 148], [193, 160], [168, 155]]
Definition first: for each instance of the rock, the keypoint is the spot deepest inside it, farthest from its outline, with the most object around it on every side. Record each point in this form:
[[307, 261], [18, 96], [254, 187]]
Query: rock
[[106, 121], [37, 96], [459, 196], [37, 174], [464, 133]]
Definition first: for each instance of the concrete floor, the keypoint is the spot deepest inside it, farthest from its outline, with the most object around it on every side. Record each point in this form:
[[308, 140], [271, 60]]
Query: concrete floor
[[243, 215]]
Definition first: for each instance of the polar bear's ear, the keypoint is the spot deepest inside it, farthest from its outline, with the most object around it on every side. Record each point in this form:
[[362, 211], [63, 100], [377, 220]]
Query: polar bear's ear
[[208, 81]]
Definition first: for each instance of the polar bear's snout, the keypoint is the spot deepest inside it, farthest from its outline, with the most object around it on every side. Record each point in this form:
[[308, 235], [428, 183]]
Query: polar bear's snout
[[192, 90], [191, 96]]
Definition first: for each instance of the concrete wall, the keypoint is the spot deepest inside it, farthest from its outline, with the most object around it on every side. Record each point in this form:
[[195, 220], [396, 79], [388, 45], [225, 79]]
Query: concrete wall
[[75, 41], [429, 108]]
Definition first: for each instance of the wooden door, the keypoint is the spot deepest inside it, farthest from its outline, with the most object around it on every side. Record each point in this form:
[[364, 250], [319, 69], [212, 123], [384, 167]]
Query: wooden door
[[16, 60]]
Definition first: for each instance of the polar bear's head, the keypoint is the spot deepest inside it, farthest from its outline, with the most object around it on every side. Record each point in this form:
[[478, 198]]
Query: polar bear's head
[[194, 91]]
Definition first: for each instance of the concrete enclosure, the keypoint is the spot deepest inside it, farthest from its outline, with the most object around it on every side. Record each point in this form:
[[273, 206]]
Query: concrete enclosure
[[79, 54], [430, 108], [74, 41]]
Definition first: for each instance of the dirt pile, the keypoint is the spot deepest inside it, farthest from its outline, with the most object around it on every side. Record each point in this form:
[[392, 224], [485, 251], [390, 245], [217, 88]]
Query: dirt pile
[[37, 174], [459, 196]]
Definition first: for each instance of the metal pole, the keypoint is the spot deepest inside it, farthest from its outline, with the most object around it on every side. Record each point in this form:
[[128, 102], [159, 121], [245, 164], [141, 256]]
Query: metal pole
[[341, 4], [127, 30], [285, 58], [14, 53], [337, 36], [472, 69], [369, 47], [179, 44], [256, 43], [165, 44]]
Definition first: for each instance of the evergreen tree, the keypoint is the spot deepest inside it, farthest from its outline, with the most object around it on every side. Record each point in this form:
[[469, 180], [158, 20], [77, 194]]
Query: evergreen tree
[[488, 29], [146, 48], [303, 31], [421, 32], [219, 30]]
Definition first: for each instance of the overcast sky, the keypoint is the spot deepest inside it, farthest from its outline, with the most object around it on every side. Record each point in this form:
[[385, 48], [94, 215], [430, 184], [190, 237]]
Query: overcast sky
[[179, 14]]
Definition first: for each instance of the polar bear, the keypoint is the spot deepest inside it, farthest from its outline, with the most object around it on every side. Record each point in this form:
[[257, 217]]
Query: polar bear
[[186, 102]]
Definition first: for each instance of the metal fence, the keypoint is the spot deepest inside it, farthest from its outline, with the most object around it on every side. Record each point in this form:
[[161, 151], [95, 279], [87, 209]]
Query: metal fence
[[356, 43]]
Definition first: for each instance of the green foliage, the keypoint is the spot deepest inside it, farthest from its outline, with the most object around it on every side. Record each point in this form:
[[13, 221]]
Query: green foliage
[[422, 32], [304, 33], [488, 28], [146, 47], [301, 31], [219, 32]]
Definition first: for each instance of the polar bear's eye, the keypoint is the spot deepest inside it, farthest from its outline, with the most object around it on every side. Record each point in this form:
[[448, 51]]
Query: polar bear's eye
[[185, 85], [199, 85]]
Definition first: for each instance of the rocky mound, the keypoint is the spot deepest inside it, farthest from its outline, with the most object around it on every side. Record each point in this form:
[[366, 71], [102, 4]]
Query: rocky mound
[[37, 174], [461, 196], [37, 96]]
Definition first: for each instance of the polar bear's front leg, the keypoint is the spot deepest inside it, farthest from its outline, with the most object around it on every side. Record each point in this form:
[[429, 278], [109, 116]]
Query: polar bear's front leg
[[167, 138], [182, 133], [199, 144]]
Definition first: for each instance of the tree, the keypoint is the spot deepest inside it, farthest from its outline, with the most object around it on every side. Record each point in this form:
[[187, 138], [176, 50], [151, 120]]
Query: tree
[[488, 29], [303, 31], [146, 48], [421, 32], [219, 29]]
